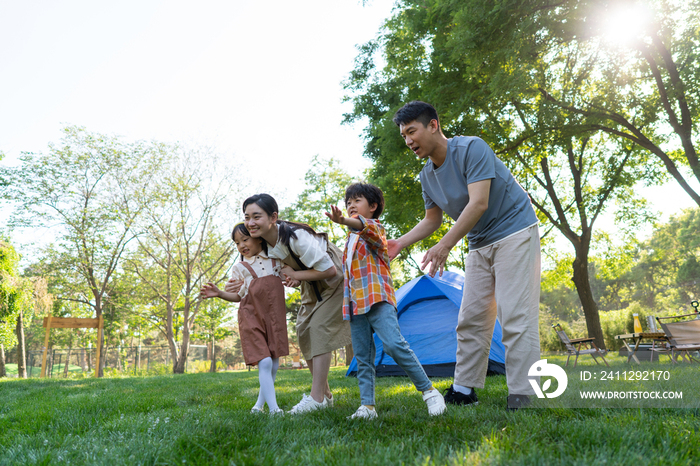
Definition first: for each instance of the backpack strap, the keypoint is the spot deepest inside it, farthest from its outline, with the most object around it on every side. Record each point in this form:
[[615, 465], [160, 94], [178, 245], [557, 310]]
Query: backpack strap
[[302, 266]]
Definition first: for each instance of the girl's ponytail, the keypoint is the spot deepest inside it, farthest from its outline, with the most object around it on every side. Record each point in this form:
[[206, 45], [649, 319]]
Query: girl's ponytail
[[287, 229]]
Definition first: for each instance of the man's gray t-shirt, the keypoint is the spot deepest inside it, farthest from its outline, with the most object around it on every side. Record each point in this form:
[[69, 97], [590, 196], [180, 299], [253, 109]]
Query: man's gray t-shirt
[[469, 159]]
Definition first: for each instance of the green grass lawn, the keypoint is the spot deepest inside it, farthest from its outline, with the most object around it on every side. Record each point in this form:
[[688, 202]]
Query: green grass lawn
[[36, 372], [205, 419]]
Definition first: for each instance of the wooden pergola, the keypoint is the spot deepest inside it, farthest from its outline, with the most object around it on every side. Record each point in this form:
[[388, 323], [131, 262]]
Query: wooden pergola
[[71, 322]]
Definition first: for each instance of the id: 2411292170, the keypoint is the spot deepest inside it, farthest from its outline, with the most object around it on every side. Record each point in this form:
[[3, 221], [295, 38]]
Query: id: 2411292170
[[625, 375]]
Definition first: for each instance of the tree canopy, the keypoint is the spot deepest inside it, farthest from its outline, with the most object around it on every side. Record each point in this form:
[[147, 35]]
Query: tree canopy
[[514, 71], [15, 294], [579, 119]]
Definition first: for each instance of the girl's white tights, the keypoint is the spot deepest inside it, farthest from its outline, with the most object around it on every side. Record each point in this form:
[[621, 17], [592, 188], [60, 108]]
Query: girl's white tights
[[267, 372]]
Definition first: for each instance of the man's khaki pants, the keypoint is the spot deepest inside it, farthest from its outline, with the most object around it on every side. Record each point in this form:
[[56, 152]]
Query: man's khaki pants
[[502, 279]]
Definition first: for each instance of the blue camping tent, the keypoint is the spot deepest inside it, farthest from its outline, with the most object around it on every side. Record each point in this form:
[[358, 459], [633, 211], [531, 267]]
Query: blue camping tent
[[427, 313]]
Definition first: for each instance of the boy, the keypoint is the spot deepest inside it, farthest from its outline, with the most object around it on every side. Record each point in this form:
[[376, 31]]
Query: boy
[[369, 303]]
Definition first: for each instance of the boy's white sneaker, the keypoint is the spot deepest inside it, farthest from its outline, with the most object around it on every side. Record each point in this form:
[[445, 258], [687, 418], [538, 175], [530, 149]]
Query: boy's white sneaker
[[329, 401], [308, 404], [363, 412], [435, 402]]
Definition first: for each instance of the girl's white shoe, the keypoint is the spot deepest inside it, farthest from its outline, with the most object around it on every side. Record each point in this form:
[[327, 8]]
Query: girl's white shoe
[[308, 404]]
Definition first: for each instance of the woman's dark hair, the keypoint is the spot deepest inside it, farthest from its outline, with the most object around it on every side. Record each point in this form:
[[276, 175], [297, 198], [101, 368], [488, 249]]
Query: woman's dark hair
[[240, 228], [416, 111], [286, 231], [370, 192]]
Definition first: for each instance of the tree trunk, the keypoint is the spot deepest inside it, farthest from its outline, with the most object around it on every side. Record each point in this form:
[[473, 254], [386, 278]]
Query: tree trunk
[[212, 355], [103, 356], [21, 353], [100, 365], [349, 354], [583, 288], [179, 366], [170, 336], [67, 365], [3, 372]]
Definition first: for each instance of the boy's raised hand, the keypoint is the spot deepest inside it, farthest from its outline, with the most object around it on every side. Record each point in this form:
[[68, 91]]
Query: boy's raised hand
[[336, 215]]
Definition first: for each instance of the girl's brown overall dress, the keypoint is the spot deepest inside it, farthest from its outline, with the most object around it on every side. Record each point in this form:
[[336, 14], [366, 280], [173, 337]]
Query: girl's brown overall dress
[[262, 319]]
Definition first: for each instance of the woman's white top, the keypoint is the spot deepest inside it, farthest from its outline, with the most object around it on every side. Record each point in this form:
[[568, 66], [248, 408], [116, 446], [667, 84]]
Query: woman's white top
[[310, 249], [262, 266]]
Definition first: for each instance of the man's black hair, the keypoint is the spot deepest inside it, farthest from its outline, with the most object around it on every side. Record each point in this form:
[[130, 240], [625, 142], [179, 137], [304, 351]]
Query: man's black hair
[[370, 192], [416, 111]]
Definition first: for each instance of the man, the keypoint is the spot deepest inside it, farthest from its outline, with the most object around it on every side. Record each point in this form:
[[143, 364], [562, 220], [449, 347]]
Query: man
[[463, 178]]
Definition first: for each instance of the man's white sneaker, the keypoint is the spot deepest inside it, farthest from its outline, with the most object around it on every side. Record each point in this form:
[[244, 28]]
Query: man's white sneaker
[[308, 404], [435, 402], [329, 401], [363, 412]]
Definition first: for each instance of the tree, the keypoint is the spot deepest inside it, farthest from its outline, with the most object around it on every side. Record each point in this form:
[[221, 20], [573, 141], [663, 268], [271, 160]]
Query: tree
[[213, 325], [491, 70], [91, 187], [180, 243], [665, 273], [657, 275], [325, 186], [17, 301], [571, 189], [641, 87]]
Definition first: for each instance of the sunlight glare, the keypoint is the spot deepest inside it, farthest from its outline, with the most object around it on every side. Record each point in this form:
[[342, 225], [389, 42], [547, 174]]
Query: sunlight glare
[[626, 22]]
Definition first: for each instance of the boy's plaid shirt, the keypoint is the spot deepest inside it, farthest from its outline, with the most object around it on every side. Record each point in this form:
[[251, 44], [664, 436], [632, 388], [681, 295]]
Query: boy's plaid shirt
[[369, 279]]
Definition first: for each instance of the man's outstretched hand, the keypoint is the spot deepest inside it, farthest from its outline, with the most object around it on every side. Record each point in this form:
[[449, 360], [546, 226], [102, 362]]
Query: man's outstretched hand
[[436, 257]]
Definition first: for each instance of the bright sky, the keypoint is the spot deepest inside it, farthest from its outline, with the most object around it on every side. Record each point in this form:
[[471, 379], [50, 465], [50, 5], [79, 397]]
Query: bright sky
[[261, 80]]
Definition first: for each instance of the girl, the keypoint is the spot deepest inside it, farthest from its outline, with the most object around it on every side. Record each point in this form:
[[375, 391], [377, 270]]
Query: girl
[[262, 315], [310, 258]]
